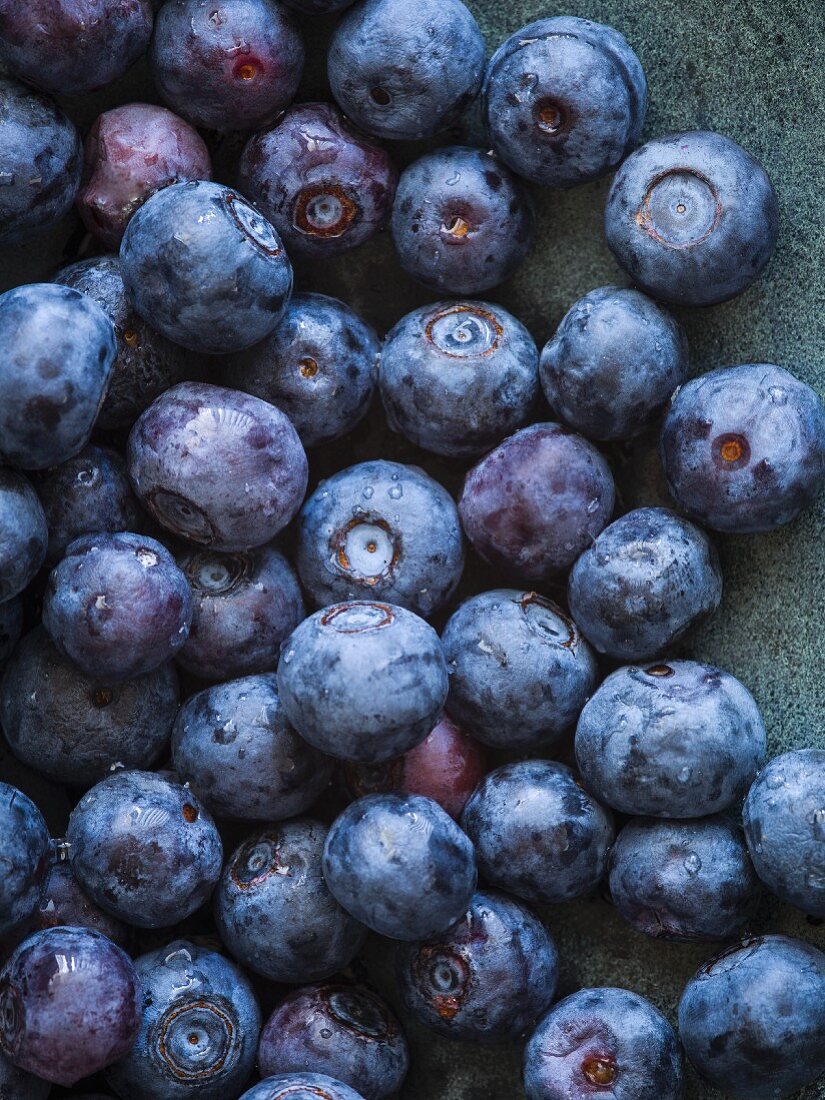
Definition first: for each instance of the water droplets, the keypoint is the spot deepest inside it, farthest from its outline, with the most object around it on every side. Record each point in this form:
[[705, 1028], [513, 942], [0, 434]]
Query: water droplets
[[684, 774], [692, 863], [778, 395], [774, 780], [368, 492], [396, 492]]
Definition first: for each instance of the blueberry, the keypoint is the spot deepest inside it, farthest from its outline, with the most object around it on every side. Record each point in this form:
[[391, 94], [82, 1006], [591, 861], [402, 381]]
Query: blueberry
[[363, 681], [457, 377], [204, 268], [216, 466], [199, 1028], [751, 1020], [405, 71], [564, 100], [317, 7], [692, 218], [233, 743], [70, 1004], [230, 68], [487, 978], [345, 1031], [319, 366], [744, 448], [683, 880], [274, 910], [614, 361], [604, 1042], [131, 152], [646, 582], [461, 221], [117, 605], [16, 1084], [24, 534], [77, 729], [73, 46], [324, 186], [785, 813], [11, 627], [144, 848], [538, 833], [447, 767], [24, 850], [401, 865], [40, 162], [681, 739], [244, 606], [537, 501], [58, 351], [520, 671], [301, 1086], [381, 531]]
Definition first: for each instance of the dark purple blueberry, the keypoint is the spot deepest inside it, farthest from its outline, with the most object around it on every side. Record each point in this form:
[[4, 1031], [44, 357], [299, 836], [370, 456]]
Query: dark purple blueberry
[[40, 162], [274, 910], [461, 221], [73, 46], [24, 534], [317, 7], [244, 606], [11, 627], [24, 852], [70, 1004], [144, 848], [744, 448], [216, 466], [58, 350], [76, 729], [232, 66], [131, 152], [537, 501], [345, 1031], [487, 978], [16, 1084], [301, 1086], [324, 186]]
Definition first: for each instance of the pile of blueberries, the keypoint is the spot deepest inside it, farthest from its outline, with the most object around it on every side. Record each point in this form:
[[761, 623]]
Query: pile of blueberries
[[271, 751]]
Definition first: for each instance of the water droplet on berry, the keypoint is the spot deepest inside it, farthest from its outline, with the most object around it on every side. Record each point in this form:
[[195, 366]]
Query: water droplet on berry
[[692, 863]]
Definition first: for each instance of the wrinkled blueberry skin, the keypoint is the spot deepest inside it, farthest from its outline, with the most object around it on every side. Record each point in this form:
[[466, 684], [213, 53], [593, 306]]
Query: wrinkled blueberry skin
[[457, 377], [217, 467], [117, 605], [363, 681], [199, 1028], [564, 101], [487, 978], [614, 361], [319, 366], [744, 448], [233, 743], [683, 880], [73, 46], [520, 671], [785, 825], [344, 1031], [461, 221], [146, 363], [76, 729], [646, 582], [24, 534], [24, 851], [401, 865], [11, 627], [751, 1020], [275, 912], [604, 1042], [144, 848], [537, 501], [405, 71], [89, 494], [680, 739], [324, 186], [16, 1084], [383, 531], [692, 218], [302, 1086], [58, 350], [40, 162], [70, 1001], [233, 72], [244, 606], [204, 268]]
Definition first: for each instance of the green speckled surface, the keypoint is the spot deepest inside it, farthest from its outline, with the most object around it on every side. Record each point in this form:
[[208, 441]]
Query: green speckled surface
[[753, 70]]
